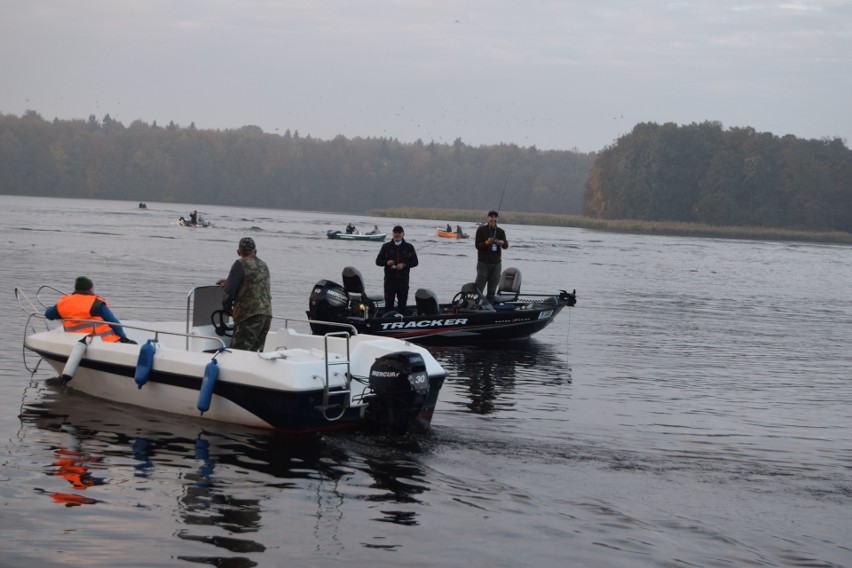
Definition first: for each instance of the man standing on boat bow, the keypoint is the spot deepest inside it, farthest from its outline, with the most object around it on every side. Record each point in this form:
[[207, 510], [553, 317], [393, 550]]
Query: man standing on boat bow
[[490, 241], [248, 298], [398, 257]]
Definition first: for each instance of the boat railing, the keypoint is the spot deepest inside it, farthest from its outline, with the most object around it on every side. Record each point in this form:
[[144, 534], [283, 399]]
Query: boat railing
[[351, 329], [346, 392], [148, 330], [41, 289], [346, 333], [37, 313]]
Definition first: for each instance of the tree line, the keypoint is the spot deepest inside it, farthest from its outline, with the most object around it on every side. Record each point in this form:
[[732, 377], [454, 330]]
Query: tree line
[[702, 173], [143, 162], [696, 173]]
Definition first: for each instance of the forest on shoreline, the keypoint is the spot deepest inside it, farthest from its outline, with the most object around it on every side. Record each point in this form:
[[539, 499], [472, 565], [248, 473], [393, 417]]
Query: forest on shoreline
[[697, 179], [103, 159], [736, 177]]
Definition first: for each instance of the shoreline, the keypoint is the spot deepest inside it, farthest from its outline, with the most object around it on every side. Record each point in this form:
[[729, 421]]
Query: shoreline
[[630, 226]]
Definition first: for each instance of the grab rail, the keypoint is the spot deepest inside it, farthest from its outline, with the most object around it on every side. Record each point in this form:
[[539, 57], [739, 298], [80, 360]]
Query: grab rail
[[156, 332], [351, 329], [326, 385]]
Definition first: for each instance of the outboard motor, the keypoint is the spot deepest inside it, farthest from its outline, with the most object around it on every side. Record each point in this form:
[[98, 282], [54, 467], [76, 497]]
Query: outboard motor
[[400, 386], [328, 302]]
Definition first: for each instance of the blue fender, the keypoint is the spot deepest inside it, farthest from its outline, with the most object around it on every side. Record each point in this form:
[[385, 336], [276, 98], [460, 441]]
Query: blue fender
[[145, 362], [211, 373]]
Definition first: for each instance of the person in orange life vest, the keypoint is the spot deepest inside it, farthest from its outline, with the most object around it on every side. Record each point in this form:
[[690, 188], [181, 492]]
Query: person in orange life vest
[[83, 304]]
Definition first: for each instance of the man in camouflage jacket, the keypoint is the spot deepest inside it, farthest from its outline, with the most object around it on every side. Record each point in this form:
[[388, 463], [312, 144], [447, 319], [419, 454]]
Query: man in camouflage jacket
[[247, 298]]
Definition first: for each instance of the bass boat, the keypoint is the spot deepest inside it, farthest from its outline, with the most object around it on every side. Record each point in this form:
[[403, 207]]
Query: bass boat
[[468, 318], [299, 383]]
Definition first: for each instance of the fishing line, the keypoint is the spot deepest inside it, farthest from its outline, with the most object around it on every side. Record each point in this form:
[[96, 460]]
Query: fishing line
[[568, 328], [21, 297], [427, 245]]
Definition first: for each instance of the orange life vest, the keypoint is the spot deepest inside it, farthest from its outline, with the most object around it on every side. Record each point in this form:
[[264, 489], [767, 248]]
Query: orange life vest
[[79, 306]]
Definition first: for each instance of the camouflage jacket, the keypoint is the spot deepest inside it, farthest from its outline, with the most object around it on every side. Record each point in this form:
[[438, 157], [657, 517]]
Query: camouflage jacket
[[247, 289]]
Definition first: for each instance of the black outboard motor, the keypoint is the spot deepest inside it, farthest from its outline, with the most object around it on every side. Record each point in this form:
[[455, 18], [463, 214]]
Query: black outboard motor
[[400, 386], [328, 302]]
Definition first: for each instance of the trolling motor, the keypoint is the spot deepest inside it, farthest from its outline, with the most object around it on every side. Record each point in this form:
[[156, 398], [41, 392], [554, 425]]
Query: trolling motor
[[570, 299]]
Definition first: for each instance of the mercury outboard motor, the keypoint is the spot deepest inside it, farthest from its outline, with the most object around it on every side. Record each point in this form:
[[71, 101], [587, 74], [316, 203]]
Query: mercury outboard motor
[[328, 302], [400, 386]]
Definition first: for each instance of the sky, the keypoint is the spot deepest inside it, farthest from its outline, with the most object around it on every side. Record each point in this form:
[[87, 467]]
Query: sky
[[557, 75]]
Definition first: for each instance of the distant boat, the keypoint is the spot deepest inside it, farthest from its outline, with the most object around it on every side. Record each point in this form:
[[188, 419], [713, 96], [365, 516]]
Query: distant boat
[[187, 223], [450, 234], [343, 236]]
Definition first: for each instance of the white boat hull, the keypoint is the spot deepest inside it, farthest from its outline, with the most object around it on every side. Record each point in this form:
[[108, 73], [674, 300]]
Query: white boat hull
[[299, 383]]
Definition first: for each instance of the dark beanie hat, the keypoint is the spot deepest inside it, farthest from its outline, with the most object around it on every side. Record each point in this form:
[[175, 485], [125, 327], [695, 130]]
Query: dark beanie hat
[[398, 229], [83, 284]]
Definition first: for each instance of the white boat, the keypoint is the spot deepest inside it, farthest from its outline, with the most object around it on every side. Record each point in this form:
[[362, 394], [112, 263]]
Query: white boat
[[344, 236], [187, 223], [299, 383]]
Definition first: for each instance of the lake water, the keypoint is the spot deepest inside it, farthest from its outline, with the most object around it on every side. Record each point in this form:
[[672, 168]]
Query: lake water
[[693, 409]]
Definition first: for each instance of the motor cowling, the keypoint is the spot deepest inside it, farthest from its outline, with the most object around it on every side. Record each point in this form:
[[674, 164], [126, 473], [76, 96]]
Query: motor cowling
[[400, 386], [329, 301]]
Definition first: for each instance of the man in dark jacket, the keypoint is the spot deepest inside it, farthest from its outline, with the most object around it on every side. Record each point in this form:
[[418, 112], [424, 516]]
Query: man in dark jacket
[[398, 258], [490, 241]]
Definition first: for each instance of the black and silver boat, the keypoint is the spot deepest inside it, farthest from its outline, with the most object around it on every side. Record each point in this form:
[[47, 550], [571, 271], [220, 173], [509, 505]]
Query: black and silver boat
[[468, 318]]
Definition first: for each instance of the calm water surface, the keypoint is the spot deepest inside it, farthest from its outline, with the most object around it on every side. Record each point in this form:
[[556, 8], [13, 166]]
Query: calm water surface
[[694, 409]]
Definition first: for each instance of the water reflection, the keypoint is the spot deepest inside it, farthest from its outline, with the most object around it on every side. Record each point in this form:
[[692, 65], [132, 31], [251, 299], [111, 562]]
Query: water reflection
[[75, 467], [392, 467], [223, 475], [489, 377]]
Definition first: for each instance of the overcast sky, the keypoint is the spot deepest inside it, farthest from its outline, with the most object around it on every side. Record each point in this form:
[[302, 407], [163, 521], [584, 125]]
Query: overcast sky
[[551, 74]]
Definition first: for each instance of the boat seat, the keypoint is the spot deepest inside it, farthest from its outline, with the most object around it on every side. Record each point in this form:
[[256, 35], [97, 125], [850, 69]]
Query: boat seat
[[353, 283], [427, 302], [509, 287], [205, 301], [470, 299]]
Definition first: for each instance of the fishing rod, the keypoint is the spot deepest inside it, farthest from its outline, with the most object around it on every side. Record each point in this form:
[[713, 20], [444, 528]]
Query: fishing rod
[[505, 185]]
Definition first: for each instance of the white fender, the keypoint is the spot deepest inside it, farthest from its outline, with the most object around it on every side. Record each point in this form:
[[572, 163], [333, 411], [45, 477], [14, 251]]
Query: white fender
[[74, 359]]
